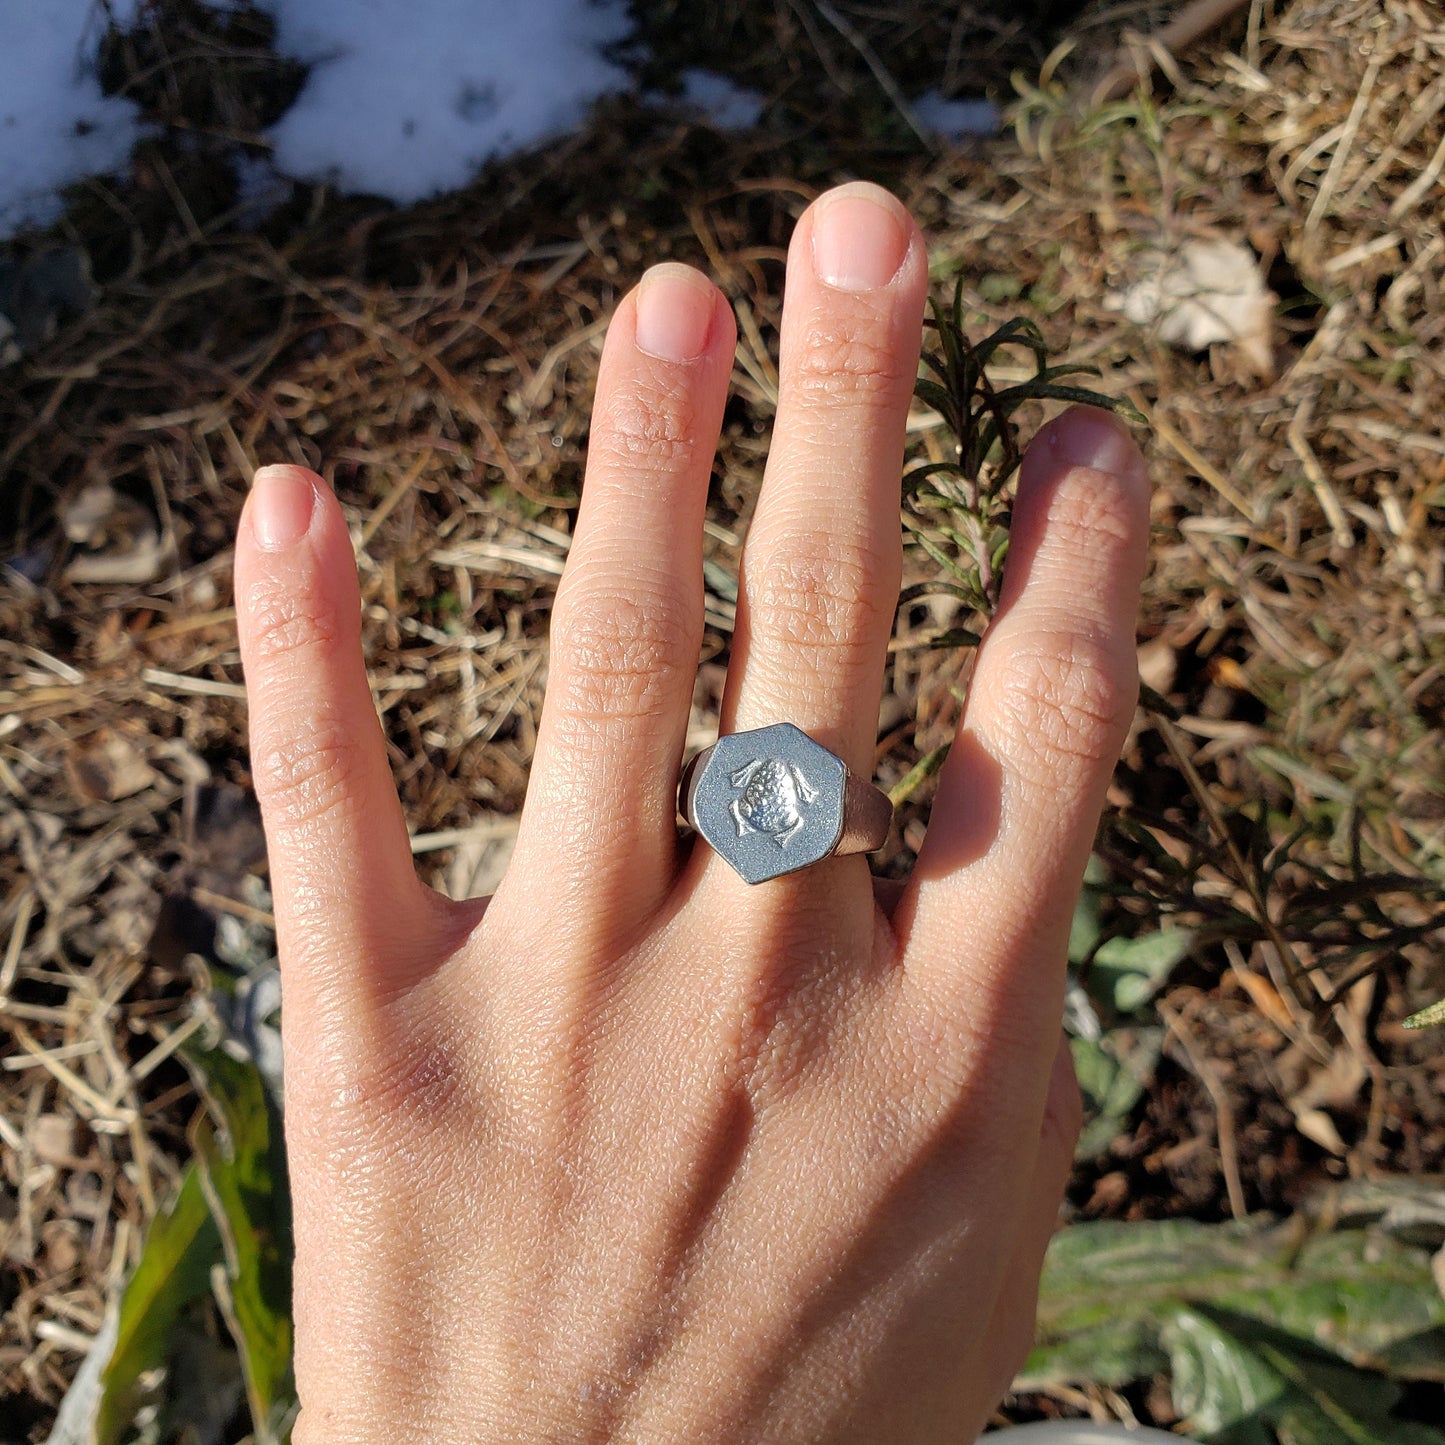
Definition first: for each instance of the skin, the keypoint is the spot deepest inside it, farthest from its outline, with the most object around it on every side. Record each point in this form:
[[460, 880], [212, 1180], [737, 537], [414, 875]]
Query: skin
[[635, 1151]]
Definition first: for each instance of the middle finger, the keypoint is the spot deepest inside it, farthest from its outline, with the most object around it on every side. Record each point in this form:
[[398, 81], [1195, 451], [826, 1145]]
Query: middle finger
[[821, 568]]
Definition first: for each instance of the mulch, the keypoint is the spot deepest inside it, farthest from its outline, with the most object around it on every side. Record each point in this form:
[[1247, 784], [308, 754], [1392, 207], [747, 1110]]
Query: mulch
[[435, 365]]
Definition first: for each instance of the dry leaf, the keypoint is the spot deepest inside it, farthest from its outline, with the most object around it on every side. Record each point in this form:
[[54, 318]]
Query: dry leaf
[[123, 544], [1202, 292], [1158, 664], [108, 768], [56, 1139], [139, 562], [85, 515], [1319, 1128]]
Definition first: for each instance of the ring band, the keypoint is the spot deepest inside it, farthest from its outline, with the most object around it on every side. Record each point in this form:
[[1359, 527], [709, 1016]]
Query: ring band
[[771, 801]]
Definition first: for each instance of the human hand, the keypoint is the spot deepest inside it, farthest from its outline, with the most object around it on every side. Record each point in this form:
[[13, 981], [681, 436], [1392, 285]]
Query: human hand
[[639, 1151]]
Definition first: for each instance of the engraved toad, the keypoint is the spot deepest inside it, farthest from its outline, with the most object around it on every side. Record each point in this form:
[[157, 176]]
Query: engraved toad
[[773, 795]]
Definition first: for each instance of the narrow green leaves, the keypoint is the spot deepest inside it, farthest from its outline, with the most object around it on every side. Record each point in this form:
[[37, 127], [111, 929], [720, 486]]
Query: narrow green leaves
[[174, 1271], [957, 510], [243, 1173], [225, 1239]]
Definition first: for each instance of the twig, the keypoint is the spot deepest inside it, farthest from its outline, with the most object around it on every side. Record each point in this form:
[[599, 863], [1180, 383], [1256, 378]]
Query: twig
[[199, 686], [1325, 194], [1315, 473], [1189, 25], [167, 1046], [825, 56], [101, 1108], [456, 837], [388, 503], [1208, 1075], [1247, 877], [16, 944], [1416, 191], [886, 82], [221, 903], [1194, 459], [16, 1062]]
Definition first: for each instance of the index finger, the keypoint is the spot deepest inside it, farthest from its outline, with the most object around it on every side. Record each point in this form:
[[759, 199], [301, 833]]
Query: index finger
[[1050, 704]]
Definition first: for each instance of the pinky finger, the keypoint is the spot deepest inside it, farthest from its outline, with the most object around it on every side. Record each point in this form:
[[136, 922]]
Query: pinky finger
[[346, 895]]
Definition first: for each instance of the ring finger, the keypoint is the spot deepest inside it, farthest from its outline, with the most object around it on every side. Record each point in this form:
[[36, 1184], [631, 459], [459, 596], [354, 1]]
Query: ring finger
[[627, 622]]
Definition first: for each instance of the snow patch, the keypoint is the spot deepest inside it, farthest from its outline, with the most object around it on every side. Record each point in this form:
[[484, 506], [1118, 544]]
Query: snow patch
[[955, 119], [56, 126], [407, 99], [726, 105]]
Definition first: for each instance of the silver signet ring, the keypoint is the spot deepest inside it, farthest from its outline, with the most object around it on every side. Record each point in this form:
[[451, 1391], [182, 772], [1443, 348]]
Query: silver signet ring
[[772, 800]]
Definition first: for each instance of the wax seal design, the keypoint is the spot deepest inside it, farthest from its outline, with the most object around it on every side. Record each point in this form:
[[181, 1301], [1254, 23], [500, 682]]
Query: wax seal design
[[770, 801], [774, 792]]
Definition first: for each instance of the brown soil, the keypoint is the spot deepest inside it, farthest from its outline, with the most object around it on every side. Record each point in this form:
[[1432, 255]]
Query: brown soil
[[436, 365]]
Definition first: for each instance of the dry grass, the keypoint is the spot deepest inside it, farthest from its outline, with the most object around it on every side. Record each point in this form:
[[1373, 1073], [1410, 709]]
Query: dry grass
[[436, 366]]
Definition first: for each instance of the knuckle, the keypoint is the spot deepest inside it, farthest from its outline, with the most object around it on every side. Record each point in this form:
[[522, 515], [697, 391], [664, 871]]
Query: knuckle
[[285, 621], [310, 772], [844, 363], [616, 656], [1066, 700], [651, 426], [819, 597]]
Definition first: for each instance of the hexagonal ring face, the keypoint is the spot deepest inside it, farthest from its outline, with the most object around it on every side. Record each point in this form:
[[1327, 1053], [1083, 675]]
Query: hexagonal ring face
[[770, 801]]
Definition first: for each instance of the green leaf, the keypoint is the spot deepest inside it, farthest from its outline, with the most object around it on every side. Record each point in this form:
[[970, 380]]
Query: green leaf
[[1034, 389], [1218, 1383], [1128, 972], [1432, 1014], [1157, 702], [174, 1270], [1232, 1374], [952, 639], [928, 471], [1084, 927], [1113, 1073], [935, 551], [938, 589], [1075, 368], [935, 366], [950, 336], [243, 1171], [930, 393], [918, 774], [1019, 331], [1293, 1334]]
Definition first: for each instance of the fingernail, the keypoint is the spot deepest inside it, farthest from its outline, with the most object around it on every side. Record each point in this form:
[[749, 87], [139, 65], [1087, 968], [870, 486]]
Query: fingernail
[[1087, 436], [674, 313], [859, 240], [282, 500]]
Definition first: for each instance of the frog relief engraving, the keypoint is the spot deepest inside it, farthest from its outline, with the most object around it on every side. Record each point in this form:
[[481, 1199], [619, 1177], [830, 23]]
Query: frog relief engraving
[[774, 793]]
